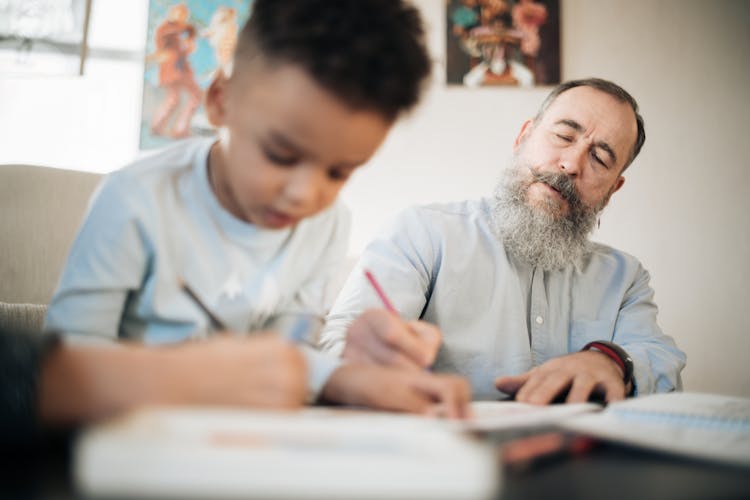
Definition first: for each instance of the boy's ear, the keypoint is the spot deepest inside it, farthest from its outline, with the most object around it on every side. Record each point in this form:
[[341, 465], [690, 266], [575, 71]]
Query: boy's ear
[[525, 130], [216, 97]]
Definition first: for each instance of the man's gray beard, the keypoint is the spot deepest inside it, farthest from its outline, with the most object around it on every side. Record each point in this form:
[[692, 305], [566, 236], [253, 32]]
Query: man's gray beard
[[543, 237]]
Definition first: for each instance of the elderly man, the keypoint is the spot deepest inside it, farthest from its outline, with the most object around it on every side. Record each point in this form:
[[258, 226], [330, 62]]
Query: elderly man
[[525, 302]]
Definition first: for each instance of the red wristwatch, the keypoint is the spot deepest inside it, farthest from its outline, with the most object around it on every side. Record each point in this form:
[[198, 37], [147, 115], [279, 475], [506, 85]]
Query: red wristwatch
[[617, 354]]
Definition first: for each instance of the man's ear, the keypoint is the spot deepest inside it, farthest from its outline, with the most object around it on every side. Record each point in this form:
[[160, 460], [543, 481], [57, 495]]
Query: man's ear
[[615, 187], [618, 184], [216, 97], [526, 128]]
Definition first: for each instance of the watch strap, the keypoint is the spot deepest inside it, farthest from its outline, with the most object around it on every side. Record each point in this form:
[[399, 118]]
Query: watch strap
[[617, 354]]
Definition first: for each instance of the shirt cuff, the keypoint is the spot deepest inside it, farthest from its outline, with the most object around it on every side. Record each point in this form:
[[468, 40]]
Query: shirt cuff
[[641, 381], [320, 366]]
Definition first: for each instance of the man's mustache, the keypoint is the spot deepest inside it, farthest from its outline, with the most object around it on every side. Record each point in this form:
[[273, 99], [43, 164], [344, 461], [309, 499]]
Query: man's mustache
[[560, 182]]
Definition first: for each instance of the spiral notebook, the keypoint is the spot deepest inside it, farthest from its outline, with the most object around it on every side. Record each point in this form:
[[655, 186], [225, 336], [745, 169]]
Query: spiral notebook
[[704, 426]]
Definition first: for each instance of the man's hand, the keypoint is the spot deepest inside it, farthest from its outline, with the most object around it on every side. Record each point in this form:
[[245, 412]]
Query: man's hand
[[581, 374], [397, 389], [379, 337]]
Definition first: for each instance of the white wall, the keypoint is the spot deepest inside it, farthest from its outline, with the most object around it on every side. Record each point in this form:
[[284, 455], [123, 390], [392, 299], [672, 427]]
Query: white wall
[[683, 210]]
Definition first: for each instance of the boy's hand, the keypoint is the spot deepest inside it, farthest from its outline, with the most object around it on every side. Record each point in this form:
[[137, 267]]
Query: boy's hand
[[261, 371], [581, 374], [395, 389], [85, 383], [379, 337]]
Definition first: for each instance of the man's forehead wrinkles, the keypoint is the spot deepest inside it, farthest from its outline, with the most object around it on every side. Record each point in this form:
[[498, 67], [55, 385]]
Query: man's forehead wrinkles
[[570, 123]]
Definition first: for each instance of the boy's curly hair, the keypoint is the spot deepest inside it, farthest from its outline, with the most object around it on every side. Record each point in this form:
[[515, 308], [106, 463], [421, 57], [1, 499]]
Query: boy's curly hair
[[369, 53]]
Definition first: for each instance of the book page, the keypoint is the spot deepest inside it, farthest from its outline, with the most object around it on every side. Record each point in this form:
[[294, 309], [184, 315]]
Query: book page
[[712, 409], [706, 426]]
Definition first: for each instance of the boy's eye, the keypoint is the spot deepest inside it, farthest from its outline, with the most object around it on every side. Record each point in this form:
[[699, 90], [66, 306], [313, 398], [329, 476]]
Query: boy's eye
[[280, 159], [339, 174]]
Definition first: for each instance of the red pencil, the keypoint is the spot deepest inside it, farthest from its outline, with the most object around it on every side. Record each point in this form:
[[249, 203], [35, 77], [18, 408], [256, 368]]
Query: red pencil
[[380, 292]]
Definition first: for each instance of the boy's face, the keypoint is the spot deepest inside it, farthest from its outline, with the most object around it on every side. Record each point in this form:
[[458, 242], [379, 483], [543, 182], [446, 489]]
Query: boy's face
[[287, 146]]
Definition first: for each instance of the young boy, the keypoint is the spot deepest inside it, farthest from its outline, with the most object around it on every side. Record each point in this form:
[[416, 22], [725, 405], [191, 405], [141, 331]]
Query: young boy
[[249, 221]]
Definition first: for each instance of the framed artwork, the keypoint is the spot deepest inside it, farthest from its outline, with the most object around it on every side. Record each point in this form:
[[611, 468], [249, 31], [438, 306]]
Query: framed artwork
[[503, 42], [187, 42]]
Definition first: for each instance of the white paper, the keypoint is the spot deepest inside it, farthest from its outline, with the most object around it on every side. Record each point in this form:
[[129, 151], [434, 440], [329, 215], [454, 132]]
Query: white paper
[[505, 415], [214, 453]]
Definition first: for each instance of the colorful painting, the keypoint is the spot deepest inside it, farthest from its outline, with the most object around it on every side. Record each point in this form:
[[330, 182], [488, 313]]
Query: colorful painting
[[187, 43], [503, 42]]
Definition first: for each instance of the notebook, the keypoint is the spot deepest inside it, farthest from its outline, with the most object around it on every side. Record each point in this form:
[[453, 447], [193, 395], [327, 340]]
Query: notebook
[[705, 426], [313, 453]]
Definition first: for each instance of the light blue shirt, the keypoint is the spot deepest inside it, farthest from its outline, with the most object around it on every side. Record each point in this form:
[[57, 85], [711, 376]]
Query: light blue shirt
[[156, 223], [444, 264]]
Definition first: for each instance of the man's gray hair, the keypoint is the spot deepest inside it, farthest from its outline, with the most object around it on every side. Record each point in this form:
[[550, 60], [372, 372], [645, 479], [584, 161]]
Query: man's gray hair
[[607, 87]]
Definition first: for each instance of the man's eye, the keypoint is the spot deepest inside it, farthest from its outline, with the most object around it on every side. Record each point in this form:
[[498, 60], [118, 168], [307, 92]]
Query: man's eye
[[599, 160], [564, 138]]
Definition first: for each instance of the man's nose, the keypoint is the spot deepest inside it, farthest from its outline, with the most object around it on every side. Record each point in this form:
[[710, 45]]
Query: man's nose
[[572, 160]]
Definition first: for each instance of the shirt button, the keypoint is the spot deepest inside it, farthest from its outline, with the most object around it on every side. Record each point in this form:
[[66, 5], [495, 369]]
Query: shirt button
[[539, 320]]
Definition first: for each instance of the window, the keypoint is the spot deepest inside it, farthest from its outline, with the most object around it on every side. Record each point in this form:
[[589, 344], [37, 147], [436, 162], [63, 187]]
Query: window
[[87, 122]]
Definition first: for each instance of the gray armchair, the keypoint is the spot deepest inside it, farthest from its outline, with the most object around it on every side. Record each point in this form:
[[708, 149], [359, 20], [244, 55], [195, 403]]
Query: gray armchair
[[40, 211]]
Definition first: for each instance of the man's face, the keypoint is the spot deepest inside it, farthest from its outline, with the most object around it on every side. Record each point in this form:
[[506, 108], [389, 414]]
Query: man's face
[[287, 145], [586, 135]]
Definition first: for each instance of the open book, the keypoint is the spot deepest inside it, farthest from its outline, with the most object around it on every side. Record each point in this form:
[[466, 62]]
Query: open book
[[509, 415], [313, 453], [706, 426]]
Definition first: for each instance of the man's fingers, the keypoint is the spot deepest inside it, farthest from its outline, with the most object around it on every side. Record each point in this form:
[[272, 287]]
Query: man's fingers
[[385, 355], [375, 352], [400, 337], [430, 336], [408, 390], [543, 389], [355, 352], [452, 393], [614, 391], [460, 398], [536, 379], [410, 401], [580, 391], [383, 328], [510, 384], [581, 373]]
